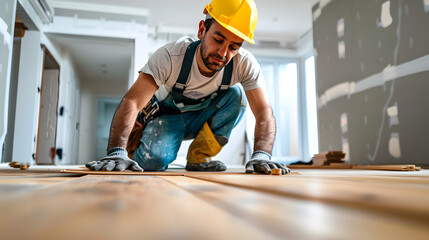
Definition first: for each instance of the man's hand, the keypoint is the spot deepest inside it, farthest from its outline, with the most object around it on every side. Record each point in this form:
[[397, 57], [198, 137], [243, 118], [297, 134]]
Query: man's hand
[[116, 161], [261, 163]]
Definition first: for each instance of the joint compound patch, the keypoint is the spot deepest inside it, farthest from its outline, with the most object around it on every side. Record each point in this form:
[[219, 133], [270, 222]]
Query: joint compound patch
[[1, 68], [394, 145], [352, 89], [386, 18], [426, 4], [343, 122], [318, 11], [340, 27], [393, 115], [341, 49], [346, 148]]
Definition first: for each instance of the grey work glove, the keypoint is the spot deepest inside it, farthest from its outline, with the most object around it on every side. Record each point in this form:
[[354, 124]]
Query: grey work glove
[[260, 162], [117, 160]]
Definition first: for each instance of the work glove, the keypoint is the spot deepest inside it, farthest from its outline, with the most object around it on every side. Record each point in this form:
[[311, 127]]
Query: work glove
[[117, 160], [260, 162]]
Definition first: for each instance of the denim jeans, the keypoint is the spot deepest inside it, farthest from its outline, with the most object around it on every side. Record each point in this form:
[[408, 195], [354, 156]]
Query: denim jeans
[[163, 135]]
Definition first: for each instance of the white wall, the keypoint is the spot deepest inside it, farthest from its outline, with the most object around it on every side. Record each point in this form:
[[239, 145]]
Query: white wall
[[7, 21], [28, 97], [69, 97], [8, 144]]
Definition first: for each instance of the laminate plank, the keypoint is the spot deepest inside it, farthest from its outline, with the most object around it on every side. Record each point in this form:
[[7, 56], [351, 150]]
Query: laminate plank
[[388, 167], [373, 179], [359, 172], [335, 166], [166, 173], [290, 218], [35, 180], [404, 201], [119, 207], [125, 172], [16, 186]]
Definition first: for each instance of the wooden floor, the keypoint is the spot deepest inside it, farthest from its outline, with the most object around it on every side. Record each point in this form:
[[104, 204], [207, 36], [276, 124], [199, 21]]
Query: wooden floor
[[315, 204]]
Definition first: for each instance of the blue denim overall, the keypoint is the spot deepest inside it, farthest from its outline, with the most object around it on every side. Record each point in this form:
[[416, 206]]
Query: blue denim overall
[[163, 135]]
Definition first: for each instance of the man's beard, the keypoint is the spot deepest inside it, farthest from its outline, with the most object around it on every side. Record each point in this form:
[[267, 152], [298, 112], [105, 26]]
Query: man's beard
[[206, 59]]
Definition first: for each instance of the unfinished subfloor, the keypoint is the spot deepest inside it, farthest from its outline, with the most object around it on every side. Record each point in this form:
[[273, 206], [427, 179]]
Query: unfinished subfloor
[[41, 203]]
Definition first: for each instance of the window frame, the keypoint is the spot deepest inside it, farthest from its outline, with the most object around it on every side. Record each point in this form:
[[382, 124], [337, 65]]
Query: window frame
[[303, 128]]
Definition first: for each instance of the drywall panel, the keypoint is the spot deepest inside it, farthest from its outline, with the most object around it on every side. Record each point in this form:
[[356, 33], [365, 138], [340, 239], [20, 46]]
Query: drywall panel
[[7, 23], [372, 67]]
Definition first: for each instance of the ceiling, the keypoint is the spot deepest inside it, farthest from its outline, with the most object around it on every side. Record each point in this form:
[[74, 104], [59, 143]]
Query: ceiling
[[98, 59], [109, 59], [284, 20]]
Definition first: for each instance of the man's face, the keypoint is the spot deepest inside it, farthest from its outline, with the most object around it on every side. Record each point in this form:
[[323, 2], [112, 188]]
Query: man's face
[[218, 46]]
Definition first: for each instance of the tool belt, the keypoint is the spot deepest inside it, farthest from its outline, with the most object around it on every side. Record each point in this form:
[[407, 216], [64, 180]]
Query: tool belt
[[150, 111]]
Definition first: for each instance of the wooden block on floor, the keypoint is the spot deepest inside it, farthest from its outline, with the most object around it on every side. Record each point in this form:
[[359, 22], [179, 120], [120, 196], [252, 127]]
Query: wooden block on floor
[[325, 158]]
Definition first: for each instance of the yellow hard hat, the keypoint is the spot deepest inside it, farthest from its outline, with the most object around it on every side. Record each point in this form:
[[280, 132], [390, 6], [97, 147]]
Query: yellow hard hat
[[238, 16]]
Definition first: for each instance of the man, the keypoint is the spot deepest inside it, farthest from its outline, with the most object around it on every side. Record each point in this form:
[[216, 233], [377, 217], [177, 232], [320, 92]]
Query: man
[[186, 91]]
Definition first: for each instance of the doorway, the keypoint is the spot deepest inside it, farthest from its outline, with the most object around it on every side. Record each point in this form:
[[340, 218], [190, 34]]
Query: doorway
[[47, 130], [106, 108]]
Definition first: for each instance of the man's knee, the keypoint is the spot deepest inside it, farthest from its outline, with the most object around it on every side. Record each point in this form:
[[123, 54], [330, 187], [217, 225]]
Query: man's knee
[[155, 162], [155, 158]]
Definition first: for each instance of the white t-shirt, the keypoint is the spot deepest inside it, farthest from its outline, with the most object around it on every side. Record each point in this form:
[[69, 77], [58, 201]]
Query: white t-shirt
[[165, 64]]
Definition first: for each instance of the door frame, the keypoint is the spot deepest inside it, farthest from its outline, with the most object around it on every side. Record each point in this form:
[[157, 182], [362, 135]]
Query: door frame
[[48, 54]]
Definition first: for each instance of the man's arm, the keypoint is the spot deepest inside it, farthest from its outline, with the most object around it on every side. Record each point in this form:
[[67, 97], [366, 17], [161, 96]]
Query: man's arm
[[265, 133], [135, 99], [123, 121]]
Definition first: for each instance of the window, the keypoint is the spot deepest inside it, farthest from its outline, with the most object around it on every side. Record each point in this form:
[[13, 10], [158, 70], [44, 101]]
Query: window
[[292, 95]]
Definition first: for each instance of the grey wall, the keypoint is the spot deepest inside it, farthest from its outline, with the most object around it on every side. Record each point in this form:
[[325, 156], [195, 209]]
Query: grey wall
[[372, 71]]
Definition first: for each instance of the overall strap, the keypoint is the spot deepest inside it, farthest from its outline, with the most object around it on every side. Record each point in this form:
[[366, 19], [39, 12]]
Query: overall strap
[[226, 78], [180, 85]]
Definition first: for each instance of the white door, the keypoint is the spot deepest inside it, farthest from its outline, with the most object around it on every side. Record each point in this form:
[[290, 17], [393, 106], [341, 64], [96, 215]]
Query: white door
[[48, 118]]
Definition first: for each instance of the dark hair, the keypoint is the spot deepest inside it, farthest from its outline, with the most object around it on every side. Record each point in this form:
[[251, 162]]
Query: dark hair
[[208, 23]]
